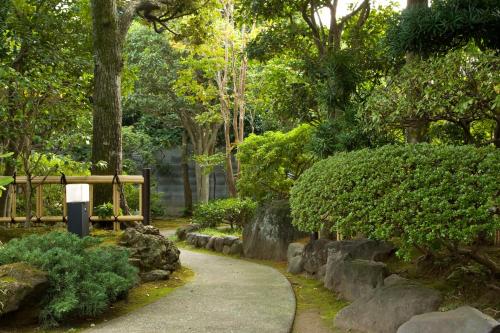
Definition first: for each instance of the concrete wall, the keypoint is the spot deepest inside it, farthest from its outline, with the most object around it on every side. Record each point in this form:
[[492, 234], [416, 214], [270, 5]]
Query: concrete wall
[[169, 179]]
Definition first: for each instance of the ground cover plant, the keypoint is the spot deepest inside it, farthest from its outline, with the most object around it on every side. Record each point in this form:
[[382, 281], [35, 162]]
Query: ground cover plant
[[433, 198], [84, 278]]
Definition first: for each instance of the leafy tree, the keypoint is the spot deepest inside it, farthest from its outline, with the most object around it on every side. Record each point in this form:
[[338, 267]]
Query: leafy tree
[[446, 24], [460, 87], [271, 162], [42, 76]]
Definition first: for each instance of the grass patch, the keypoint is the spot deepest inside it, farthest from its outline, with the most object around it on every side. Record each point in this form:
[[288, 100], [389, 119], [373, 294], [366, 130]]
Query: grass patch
[[138, 297], [171, 223], [221, 232]]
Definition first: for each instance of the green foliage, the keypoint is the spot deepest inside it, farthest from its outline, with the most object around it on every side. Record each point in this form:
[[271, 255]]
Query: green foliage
[[105, 210], [426, 196], [84, 278], [446, 24], [233, 211], [461, 87], [271, 162], [156, 200]]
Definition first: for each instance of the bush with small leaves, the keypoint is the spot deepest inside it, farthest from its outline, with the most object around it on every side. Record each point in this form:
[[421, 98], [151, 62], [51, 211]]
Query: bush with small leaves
[[84, 278], [431, 197], [232, 211]]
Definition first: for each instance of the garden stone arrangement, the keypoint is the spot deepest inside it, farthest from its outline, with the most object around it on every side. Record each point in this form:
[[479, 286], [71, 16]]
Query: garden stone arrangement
[[155, 256], [380, 303], [231, 245]]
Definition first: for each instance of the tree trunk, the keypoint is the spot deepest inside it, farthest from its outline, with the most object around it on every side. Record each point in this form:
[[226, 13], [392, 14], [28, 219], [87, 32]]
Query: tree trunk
[[231, 184], [417, 132], [202, 184], [468, 138], [107, 112], [188, 194]]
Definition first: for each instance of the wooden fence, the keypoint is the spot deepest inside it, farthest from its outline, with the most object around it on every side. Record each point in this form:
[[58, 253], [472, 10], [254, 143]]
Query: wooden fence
[[39, 181]]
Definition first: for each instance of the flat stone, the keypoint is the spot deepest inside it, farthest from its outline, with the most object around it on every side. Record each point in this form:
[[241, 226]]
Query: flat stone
[[154, 275], [465, 319], [388, 308]]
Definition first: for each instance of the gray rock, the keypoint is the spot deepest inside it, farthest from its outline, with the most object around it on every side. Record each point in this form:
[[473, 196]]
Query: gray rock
[[296, 265], [150, 250], [236, 248], [226, 249], [366, 249], [218, 244], [202, 240], [294, 249], [183, 231], [21, 286], [394, 279], [316, 254], [268, 234], [210, 244], [191, 238], [388, 308], [465, 319], [154, 275], [354, 279], [229, 240]]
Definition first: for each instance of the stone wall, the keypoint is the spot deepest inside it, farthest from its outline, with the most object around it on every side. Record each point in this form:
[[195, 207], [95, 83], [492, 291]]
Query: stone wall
[[169, 179]]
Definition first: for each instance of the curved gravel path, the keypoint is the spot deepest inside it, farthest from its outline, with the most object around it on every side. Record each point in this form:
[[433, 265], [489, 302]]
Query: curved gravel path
[[226, 295]]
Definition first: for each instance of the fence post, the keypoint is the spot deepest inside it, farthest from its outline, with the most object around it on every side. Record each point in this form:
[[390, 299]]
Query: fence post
[[146, 196]]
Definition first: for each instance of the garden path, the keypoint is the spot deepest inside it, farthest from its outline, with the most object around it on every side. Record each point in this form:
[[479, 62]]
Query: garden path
[[226, 295]]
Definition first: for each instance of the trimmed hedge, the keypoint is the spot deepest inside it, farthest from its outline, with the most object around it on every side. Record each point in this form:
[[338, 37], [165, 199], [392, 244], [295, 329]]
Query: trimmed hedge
[[84, 278], [432, 197], [232, 211]]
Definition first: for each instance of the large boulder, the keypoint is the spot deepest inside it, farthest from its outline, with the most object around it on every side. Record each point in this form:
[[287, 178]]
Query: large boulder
[[268, 234], [388, 308], [149, 250], [21, 286], [315, 255], [294, 258], [294, 250], [356, 278], [359, 278], [462, 320]]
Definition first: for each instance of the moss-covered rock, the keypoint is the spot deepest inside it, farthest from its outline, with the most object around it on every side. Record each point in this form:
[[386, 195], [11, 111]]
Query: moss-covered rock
[[20, 284]]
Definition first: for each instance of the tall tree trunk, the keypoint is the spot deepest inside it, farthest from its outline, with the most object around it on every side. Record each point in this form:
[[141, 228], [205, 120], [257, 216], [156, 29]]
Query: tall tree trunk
[[231, 184], [202, 184], [10, 168], [188, 194], [107, 112]]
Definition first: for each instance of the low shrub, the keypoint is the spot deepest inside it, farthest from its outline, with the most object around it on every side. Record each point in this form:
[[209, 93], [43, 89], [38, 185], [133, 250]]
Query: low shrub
[[84, 278], [429, 197], [232, 211]]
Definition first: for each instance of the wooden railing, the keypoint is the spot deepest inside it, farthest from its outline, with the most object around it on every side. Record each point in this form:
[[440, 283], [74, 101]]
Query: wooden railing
[[39, 181]]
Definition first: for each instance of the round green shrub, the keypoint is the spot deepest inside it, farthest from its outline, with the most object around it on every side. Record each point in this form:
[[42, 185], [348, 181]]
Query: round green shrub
[[233, 211], [432, 197], [84, 278]]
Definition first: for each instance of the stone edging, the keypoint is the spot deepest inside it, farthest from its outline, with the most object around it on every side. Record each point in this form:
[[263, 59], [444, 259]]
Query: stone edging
[[231, 245]]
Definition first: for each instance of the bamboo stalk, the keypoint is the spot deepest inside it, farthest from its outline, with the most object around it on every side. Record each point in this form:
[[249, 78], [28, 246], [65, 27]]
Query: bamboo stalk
[[81, 179], [122, 218]]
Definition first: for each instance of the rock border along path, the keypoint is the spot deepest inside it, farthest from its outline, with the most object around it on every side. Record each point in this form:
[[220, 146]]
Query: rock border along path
[[226, 295]]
